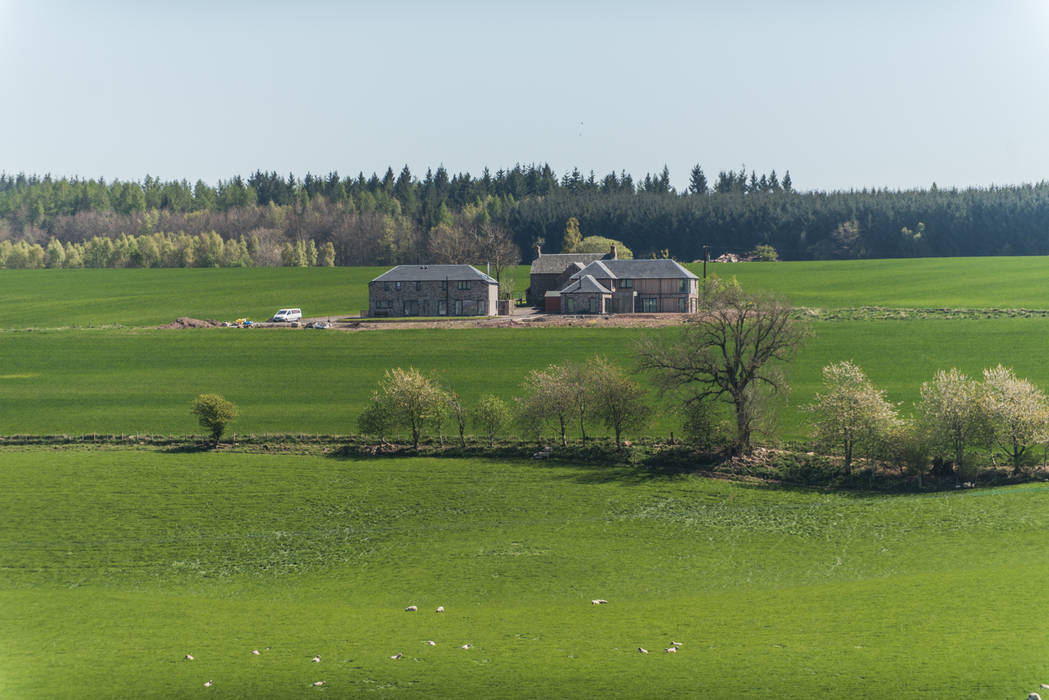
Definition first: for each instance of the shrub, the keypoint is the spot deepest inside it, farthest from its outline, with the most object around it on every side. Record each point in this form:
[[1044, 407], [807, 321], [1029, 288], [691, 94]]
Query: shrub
[[214, 413]]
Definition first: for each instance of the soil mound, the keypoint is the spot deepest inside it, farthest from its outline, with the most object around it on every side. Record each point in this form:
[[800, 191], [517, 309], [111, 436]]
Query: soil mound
[[187, 322]]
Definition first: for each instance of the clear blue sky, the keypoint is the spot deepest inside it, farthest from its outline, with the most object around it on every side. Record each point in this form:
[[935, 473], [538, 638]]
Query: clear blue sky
[[843, 94]]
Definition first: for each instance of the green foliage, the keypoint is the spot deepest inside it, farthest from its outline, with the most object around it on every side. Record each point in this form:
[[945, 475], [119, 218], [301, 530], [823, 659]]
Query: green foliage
[[600, 244], [700, 425], [408, 399], [573, 237], [618, 400], [214, 413], [764, 253], [491, 416]]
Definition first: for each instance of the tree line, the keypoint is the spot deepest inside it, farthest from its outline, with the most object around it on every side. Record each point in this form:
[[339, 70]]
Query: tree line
[[402, 218]]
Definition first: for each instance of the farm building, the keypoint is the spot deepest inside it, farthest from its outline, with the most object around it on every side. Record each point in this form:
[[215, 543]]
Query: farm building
[[433, 290], [549, 273], [612, 286]]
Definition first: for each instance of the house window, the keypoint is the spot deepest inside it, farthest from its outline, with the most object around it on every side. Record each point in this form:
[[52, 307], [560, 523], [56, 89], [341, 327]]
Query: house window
[[463, 284], [682, 304], [650, 305], [382, 306], [482, 307], [397, 285], [593, 305], [444, 285], [458, 307], [385, 286], [418, 286], [569, 304], [685, 284], [626, 284], [442, 307], [411, 308]]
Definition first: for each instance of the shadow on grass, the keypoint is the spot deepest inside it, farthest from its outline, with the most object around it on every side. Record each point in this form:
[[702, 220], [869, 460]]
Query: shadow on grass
[[194, 448]]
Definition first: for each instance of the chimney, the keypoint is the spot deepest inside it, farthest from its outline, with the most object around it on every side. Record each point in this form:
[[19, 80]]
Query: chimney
[[538, 251], [613, 252]]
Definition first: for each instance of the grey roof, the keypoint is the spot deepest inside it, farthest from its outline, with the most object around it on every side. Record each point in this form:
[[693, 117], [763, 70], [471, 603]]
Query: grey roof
[[424, 273], [585, 285], [635, 269], [559, 262]]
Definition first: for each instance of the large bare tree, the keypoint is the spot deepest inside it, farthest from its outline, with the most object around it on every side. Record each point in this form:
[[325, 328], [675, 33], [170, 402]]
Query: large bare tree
[[728, 350]]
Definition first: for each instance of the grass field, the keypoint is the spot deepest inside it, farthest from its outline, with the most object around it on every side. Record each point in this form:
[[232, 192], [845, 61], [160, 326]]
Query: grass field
[[115, 564], [68, 298], [128, 381]]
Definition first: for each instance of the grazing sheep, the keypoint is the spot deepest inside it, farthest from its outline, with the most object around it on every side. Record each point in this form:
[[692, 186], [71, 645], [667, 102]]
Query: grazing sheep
[[316, 659], [430, 642], [411, 608], [1044, 685], [188, 657], [671, 650], [256, 652], [397, 656], [642, 650], [1034, 696], [675, 644], [599, 601], [208, 684], [466, 646], [440, 608], [318, 684]]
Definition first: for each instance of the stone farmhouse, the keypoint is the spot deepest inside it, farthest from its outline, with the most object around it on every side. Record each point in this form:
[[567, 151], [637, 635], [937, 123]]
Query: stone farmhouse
[[611, 286], [552, 272], [433, 290]]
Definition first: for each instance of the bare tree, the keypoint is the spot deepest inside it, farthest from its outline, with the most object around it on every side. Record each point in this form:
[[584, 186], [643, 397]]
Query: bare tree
[[727, 351]]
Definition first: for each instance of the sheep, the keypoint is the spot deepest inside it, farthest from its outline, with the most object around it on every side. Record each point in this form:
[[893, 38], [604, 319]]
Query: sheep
[[466, 646], [599, 601], [1034, 696], [208, 684], [411, 608], [430, 642], [255, 652], [316, 659], [642, 650], [440, 609], [188, 657], [318, 684], [675, 644], [671, 650], [396, 656]]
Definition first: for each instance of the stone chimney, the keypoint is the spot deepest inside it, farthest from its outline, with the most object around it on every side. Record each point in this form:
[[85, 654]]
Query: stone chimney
[[538, 251], [613, 252]]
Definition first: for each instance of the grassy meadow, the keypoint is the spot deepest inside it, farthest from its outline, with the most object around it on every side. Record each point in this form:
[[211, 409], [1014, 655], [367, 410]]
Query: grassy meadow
[[114, 564], [146, 556], [151, 297], [286, 380]]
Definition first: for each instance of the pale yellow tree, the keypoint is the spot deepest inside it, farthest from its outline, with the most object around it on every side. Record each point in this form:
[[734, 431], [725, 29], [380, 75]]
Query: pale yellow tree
[[1016, 412]]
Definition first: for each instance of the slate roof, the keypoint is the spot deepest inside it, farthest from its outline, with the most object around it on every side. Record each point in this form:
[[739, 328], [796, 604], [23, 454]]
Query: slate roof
[[585, 285], [426, 273], [635, 270], [559, 262]]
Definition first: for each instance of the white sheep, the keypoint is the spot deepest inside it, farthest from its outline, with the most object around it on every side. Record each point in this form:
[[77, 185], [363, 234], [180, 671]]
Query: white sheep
[[318, 684], [255, 652], [599, 601], [397, 656], [188, 657], [411, 608], [208, 684], [316, 659], [642, 650], [431, 643], [466, 646], [440, 609], [671, 650]]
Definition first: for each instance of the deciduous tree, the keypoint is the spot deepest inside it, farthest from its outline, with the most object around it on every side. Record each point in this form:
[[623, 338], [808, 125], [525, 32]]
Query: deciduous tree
[[728, 351], [1016, 411], [214, 413]]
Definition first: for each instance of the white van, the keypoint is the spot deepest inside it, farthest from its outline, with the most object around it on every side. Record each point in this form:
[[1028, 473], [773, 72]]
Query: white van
[[286, 315]]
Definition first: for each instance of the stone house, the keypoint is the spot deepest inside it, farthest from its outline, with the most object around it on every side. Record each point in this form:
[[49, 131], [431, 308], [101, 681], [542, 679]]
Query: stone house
[[549, 273], [629, 286], [433, 290]]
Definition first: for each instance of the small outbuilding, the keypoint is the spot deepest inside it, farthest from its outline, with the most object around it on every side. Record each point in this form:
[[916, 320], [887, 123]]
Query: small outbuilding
[[433, 290]]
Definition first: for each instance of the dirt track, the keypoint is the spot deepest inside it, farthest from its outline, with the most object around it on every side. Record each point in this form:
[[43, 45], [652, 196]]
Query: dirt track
[[526, 319]]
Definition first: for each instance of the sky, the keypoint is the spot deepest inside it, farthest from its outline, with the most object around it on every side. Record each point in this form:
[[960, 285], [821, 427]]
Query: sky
[[844, 95]]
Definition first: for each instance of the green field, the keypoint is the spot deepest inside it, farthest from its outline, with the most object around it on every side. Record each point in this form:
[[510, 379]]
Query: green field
[[137, 297], [128, 381], [114, 564], [118, 563]]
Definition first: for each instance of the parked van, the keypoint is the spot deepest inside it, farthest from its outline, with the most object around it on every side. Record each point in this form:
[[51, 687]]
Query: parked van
[[285, 315]]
